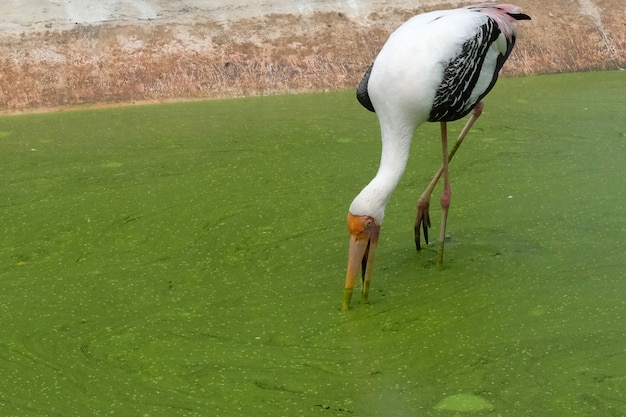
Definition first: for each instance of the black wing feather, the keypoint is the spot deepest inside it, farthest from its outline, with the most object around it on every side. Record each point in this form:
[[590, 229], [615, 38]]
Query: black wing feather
[[452, 100], [361, 91]]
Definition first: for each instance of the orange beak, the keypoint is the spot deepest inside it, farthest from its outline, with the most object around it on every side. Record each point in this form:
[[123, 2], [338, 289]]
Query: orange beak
[[364, 233]]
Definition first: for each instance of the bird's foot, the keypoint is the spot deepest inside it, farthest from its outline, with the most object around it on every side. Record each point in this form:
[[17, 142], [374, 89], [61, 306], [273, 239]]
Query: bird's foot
[[422, 221]]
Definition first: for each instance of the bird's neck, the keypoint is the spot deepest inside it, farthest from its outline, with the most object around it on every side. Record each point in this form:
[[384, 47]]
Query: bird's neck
[[373, 199]]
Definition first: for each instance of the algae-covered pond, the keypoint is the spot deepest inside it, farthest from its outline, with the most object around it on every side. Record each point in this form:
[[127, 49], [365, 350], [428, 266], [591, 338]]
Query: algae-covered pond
[[189, 259]]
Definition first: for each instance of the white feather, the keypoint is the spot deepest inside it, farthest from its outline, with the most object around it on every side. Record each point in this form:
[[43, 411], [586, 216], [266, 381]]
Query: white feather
[[402, 87]]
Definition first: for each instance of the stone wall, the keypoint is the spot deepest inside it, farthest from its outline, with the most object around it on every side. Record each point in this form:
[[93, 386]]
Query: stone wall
[[147, 50]]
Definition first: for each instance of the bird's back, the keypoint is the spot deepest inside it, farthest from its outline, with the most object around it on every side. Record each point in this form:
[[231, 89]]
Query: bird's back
[[438, 65]]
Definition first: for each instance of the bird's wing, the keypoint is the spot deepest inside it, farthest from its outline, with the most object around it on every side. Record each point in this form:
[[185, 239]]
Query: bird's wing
[[361, 91], [471, 73]]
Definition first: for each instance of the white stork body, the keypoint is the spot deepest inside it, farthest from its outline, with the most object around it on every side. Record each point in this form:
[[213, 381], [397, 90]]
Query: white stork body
[[435, 67]]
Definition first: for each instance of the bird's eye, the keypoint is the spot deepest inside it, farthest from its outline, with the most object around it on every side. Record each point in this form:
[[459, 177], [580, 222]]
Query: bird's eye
[[369, 224]]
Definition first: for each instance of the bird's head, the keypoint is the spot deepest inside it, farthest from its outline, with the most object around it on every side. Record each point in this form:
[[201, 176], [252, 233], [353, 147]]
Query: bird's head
[[364, 231]]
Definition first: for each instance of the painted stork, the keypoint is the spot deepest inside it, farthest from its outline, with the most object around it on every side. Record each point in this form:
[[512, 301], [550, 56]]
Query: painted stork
[[436, 67]]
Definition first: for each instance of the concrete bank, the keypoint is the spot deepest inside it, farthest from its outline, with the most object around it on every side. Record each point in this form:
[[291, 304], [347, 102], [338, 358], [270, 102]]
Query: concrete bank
[[68, 52]]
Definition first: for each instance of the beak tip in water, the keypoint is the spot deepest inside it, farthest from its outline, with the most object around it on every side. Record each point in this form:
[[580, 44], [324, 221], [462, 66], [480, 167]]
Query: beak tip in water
[[363, 241]]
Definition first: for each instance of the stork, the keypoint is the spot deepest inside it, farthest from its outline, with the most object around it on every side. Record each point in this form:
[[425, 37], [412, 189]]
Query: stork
[[436, 67]]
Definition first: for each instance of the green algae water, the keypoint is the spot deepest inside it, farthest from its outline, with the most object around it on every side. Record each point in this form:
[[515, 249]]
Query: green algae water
[[189, 260]]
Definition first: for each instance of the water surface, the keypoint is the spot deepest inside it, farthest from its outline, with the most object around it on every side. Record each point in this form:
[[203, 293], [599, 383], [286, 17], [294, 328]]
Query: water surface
[[188, 260]]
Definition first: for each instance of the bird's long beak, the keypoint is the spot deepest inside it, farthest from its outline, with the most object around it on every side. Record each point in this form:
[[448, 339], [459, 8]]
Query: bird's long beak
[[363, 242]]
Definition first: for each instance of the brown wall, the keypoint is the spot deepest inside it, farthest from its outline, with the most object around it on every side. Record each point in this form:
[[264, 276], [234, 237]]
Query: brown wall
[[110, 63]]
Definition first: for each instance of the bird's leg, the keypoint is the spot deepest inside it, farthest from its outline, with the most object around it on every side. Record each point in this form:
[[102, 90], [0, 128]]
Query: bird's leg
[[423, 218], [446, 196]]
